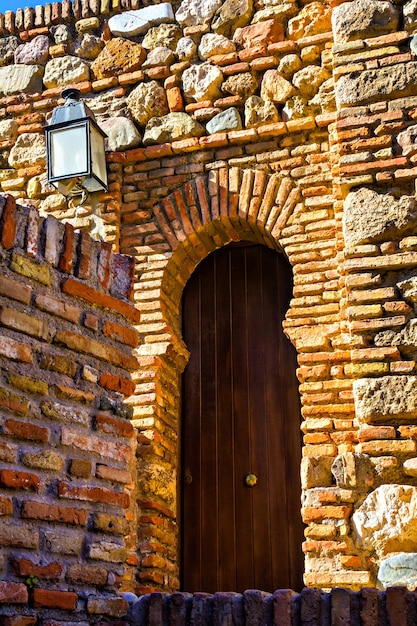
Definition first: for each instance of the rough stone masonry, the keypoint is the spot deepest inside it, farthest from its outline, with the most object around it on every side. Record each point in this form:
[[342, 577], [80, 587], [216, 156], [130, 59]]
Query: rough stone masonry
[[291, 124]]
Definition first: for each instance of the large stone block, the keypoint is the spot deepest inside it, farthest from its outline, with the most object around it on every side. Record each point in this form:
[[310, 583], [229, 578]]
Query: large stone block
[[225, 121], [20, 79], [121, 133], [147, 100], [29, 148], [370, 85], [33, 52], [370, 217], [232, 14], [387, 520], [314, 18], [171, 127], [119, 56], [202, 82], [194, 12], [275, 87], [363, 18], [385, 398], [65, 70]]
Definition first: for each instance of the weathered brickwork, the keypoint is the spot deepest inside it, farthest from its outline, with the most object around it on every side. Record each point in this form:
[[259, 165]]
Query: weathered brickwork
[[67, 472], [295, 129]]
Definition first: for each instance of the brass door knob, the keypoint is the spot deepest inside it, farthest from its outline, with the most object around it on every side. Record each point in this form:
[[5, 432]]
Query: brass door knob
[[251, 480]]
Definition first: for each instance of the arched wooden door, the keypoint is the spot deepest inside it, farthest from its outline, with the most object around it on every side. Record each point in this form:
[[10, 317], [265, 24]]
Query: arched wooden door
[[240, 424]]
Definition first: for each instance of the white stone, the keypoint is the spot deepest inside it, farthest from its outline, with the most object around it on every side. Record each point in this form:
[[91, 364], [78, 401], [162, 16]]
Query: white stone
[[121, 133], [387, 520], [399, 570], [29, 148], [212, 44], [194, 12], [20, 79], [64, 71], [132, 23], [159, 56], [186, 49], [202, 82]]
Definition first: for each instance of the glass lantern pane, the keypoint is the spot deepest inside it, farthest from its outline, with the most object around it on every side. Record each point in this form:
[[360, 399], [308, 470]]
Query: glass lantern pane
[[69, 155], [98, 155]]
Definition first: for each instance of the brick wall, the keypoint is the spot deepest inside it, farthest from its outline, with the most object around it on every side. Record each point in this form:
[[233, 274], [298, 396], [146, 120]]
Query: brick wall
[[67, 451], [291, 185]]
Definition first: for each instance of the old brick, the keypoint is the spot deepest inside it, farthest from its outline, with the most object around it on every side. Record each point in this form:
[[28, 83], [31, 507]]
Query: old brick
[[11, 534], [6, 506], [73, 287], [58, 363], [13, 593], [15, 289], [113, 474], [29, 268], [54, 513], [46, 459], [86, 574], [114, 607], [117, 383], [110, 523], [24, 323], [113, 426], [54, 599], [94, 443], [13, 402], [15, 350], [63, 541], [81, 343], [80, 468], [121, 333], [24, 383], [25, 567], [26, 430], [58, 307], [93, 494], [12, 479]]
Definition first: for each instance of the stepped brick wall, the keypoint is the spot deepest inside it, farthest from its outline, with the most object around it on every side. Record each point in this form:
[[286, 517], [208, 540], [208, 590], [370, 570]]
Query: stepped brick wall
[[295, 128], [67, 451]]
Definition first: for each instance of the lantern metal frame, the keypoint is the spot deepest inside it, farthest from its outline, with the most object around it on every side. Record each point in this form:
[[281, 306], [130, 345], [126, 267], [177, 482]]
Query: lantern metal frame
[[92, 176]]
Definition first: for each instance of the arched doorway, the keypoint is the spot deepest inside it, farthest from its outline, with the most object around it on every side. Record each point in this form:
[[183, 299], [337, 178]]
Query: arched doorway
[[240, 425]]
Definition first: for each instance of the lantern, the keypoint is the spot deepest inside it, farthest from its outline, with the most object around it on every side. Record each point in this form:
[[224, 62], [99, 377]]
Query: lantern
[[75, 148]]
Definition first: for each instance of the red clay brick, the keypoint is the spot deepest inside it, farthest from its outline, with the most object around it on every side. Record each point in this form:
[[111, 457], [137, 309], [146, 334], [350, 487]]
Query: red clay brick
[[8, 223], [93, 494], [13, 593], [54, 599], [12, 479], [54, 513], [74, 287], [25, 567], [25, 430], [117, 383], [113, 426]]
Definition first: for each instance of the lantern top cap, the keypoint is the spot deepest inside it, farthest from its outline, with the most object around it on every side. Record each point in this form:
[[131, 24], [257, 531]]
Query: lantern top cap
[[73, 110], [71, 94]]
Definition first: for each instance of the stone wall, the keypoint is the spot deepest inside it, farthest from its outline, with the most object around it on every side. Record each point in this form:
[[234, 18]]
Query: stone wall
[[291, 125], [67, 450]]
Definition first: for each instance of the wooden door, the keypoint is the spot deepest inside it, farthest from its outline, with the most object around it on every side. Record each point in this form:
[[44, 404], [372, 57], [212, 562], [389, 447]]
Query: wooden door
[[241, 416]]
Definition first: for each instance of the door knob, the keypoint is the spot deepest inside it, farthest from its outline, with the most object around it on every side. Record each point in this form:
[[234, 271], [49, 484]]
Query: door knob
[[188, 477], [251, 480]]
